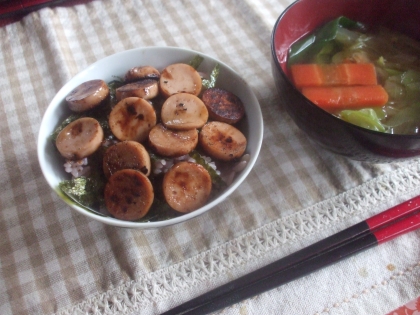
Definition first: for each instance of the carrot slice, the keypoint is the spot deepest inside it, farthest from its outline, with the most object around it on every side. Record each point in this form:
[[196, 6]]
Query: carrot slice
[[305, 75], [345, 97]]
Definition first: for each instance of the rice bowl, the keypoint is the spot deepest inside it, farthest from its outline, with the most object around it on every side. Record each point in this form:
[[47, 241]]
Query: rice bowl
[[117, 65]]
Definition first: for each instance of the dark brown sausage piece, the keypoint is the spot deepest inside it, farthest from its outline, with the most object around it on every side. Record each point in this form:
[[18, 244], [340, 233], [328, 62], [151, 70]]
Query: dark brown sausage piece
[[223, 105]]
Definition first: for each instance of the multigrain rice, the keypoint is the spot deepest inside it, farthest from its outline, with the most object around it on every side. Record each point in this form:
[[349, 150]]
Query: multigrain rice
[[77, 168]]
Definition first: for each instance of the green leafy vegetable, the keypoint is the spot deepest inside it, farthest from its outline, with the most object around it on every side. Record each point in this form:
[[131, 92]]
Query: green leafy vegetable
[[326, 41], [87, 191], [411, 80], [324, 55], [196, 61], [403, 86], [394, 88], [208, 84], [405, 120], [113, 86], [366, 118]]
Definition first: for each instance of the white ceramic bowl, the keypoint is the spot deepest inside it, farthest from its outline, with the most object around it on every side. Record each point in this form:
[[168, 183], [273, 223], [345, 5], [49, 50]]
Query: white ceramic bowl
[[116, 65]]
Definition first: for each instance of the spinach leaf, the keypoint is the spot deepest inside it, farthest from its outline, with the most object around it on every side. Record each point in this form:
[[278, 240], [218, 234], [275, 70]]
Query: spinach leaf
[[211, 83], [196, 62]]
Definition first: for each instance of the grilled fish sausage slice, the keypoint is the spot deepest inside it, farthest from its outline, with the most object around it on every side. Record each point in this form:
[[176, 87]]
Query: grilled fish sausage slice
[[146, 89], [80, 138], [222, 141], [186, 186], [141, 73], [184, 111], [223, 105], [180, 78], [132, 118], [126, 155], [172, 143], [128, 195], [87, 95]]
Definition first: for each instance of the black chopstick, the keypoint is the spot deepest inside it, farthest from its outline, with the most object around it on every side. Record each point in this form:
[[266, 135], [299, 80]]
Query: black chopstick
[[355, 239]]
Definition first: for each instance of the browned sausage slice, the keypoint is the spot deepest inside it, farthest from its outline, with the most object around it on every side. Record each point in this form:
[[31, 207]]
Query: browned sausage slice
[[222, 141], [87, 95], [80, 138], [180, 78], [172, 143], [132, 118], [223, 105], [128, 195], [126, 154], [146, 89], [184, 111], [141, 73], [187, 186]]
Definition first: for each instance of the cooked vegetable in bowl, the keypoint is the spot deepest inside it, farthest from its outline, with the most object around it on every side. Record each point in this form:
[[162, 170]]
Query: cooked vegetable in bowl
[[365, 75], [342, 80], [137, 145]]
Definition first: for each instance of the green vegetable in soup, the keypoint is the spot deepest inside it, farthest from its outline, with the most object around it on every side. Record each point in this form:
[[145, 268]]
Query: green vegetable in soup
[[404, 120], [326, 41], [403, 86], [366, 118]]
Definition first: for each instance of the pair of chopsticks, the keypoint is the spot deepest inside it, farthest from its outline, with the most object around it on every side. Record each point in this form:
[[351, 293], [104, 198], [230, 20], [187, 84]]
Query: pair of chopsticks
[[376, 230]]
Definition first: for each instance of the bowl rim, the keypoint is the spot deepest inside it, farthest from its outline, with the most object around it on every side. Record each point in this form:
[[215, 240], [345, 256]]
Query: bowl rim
[[309, 102], [57, 99]]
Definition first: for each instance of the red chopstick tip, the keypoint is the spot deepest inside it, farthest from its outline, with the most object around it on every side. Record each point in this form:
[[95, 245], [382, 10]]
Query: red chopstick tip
[[394, 213], [406, 225]]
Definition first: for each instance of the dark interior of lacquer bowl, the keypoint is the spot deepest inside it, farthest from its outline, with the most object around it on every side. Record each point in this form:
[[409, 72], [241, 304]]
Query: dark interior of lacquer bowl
[[328, 131]]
